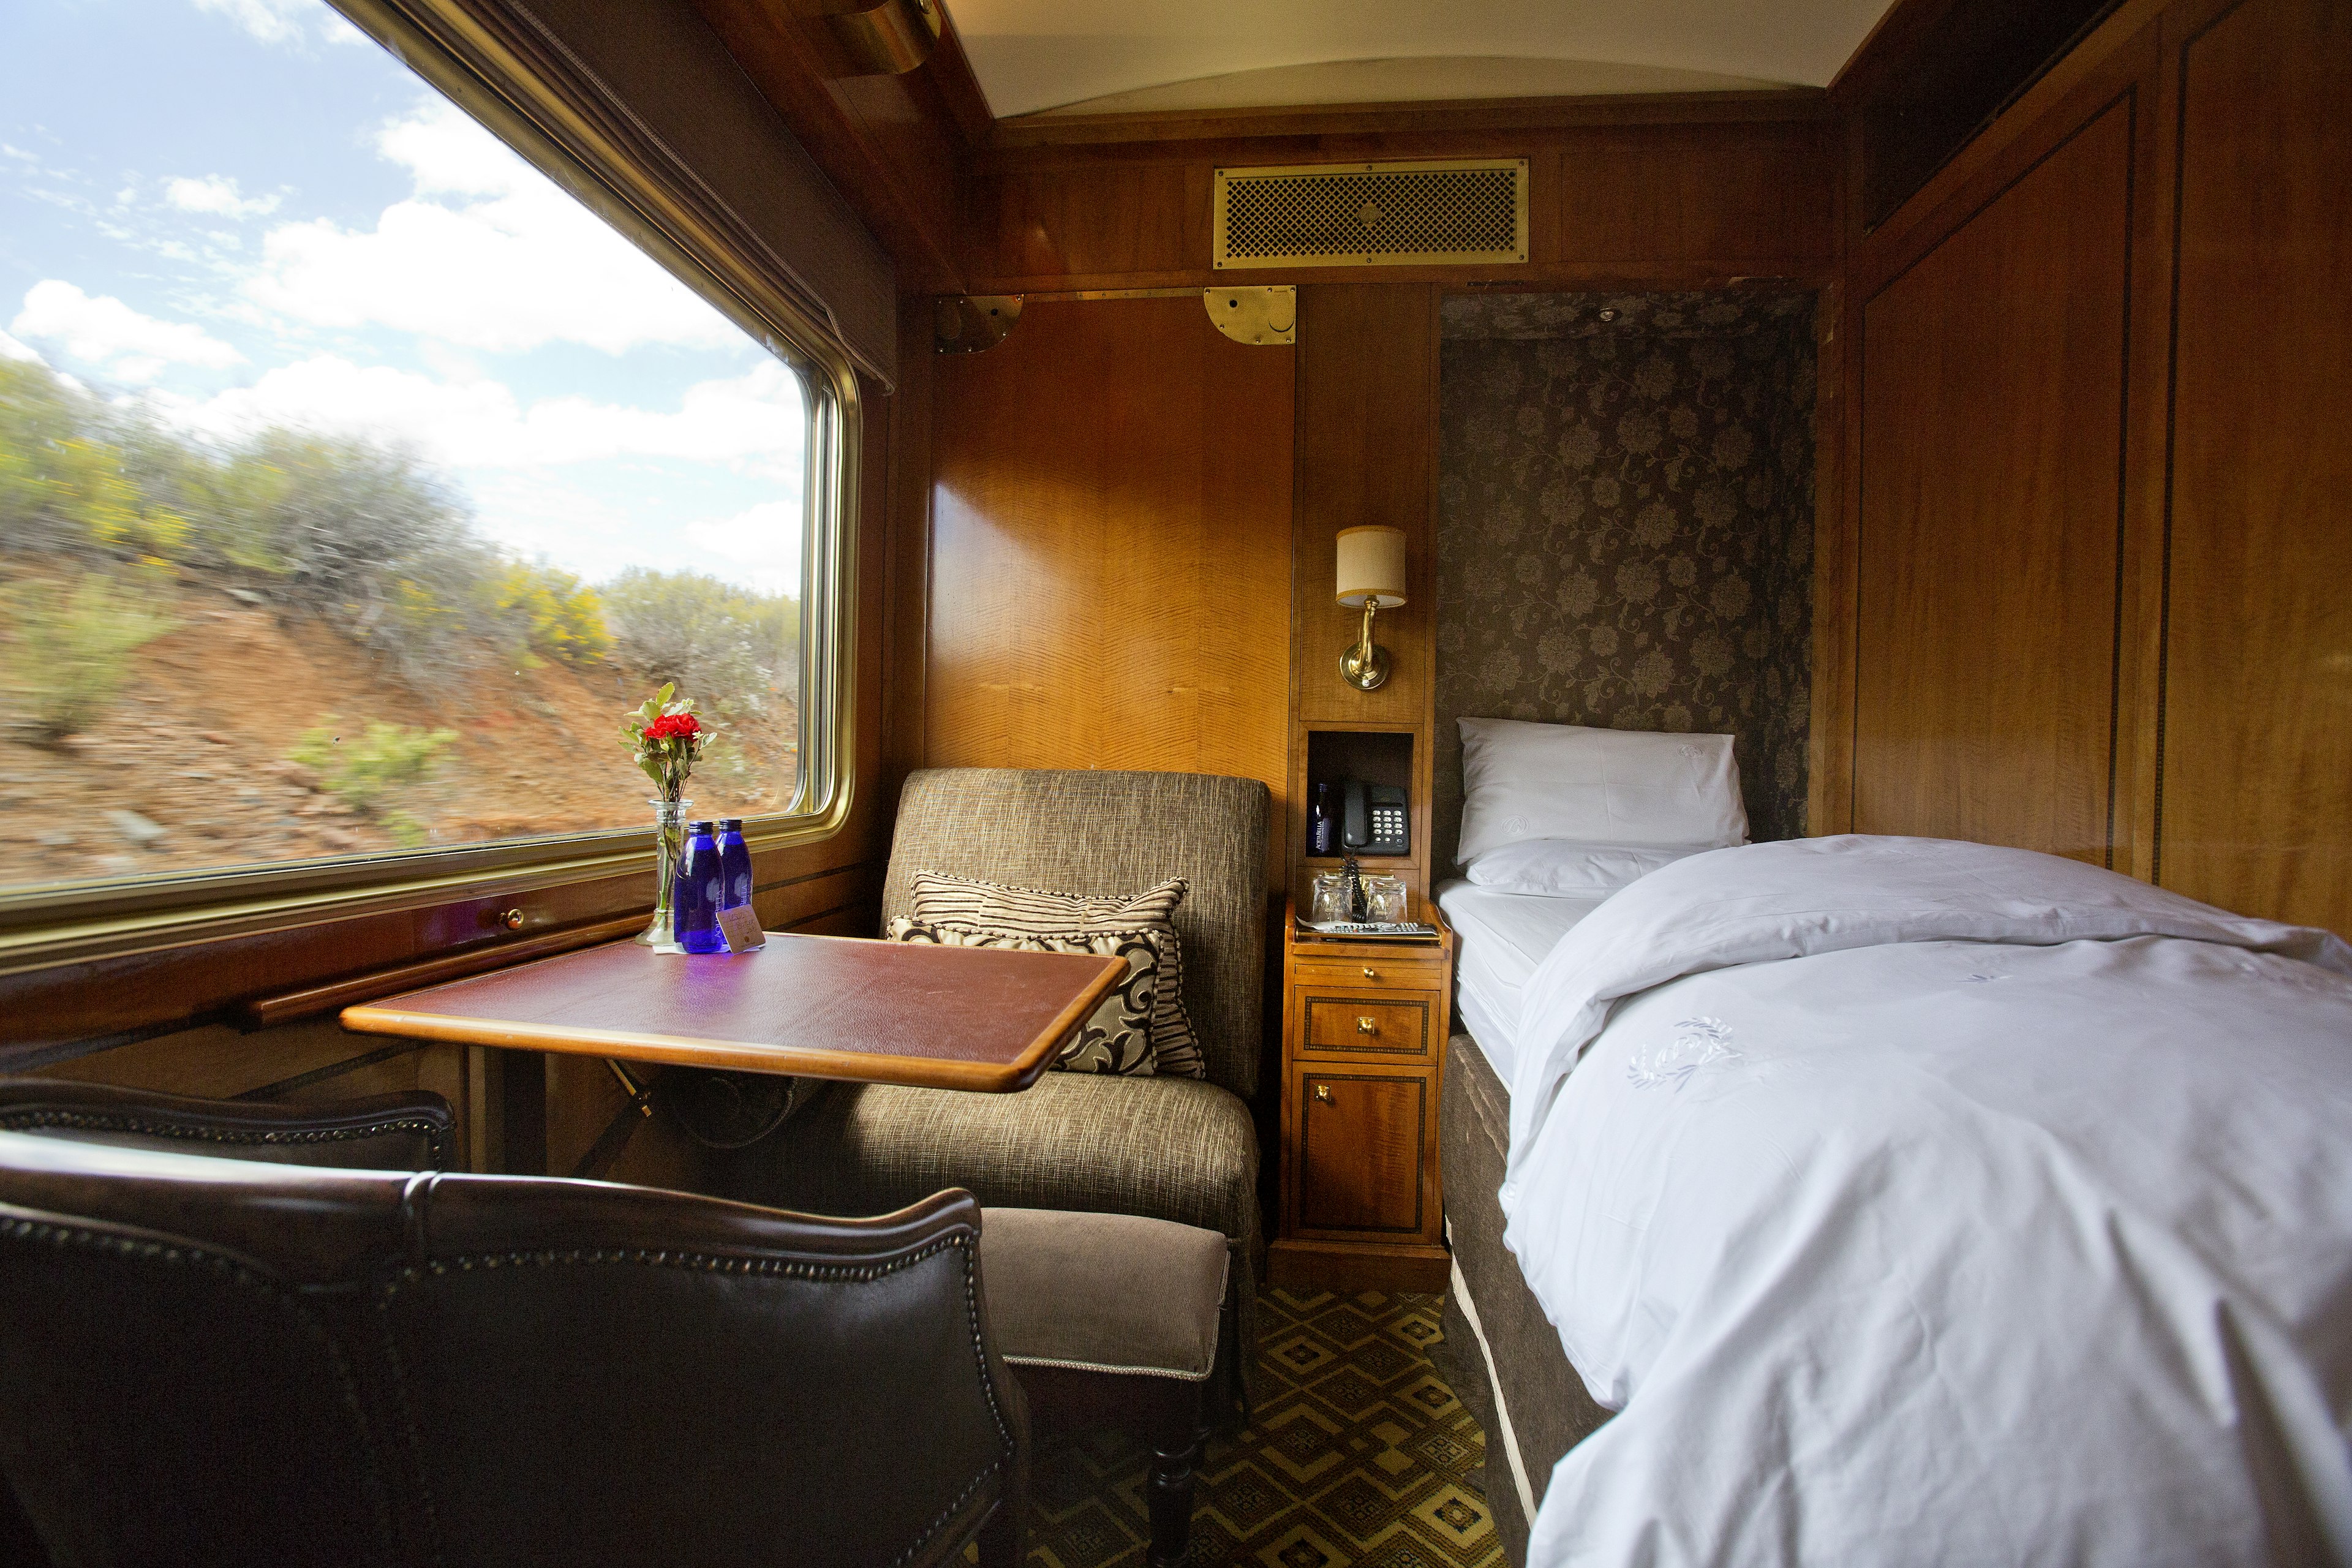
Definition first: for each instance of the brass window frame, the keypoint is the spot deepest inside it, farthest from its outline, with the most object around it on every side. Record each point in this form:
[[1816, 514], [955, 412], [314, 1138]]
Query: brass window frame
[[551, 110]]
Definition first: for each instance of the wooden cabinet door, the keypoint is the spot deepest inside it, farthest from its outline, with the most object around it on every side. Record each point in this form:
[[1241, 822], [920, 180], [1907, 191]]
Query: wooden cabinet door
[[2256, 766], [1362, 1141], [1992, 440]]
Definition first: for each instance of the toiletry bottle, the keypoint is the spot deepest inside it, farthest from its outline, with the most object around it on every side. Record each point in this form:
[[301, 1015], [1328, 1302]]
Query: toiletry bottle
[[1320, 836], [734, 862], [700, 883]]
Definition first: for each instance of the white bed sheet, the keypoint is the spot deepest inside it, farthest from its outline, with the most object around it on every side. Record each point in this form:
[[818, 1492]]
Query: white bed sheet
[[1499, 941], [1925, 1202]]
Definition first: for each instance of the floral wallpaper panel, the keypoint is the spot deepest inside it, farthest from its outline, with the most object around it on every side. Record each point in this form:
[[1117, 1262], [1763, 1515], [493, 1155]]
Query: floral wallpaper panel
[[1625, 514]]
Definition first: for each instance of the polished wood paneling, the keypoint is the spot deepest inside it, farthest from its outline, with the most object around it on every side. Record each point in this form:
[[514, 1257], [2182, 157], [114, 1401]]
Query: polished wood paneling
[[892, 144], [1658, 204], [1367, 455], [1110, 548], [1360, 1152], [2228, 741], [2256, 805], [1435, 117], [1991, 453]]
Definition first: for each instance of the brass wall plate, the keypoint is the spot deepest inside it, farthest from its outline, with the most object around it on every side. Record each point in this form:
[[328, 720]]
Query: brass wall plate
[[1261, 314], [972, 323]]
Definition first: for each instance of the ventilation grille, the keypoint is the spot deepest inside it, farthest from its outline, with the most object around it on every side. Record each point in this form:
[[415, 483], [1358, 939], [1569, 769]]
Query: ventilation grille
[[1373, 215]]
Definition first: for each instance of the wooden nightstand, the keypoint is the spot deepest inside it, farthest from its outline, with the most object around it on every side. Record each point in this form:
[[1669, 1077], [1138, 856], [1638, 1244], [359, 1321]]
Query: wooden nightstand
[[1363, 1052]]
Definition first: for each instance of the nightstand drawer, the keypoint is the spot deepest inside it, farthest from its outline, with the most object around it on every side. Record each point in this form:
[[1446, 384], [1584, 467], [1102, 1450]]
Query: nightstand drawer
[[1422, 971], [1365, 1023]]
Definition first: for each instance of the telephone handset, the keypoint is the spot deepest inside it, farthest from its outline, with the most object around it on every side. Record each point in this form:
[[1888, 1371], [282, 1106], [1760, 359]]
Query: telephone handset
[[1372, 819]]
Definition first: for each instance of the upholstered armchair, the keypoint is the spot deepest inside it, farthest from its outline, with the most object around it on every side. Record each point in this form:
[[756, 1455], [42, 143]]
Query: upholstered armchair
[[1179, 1149]]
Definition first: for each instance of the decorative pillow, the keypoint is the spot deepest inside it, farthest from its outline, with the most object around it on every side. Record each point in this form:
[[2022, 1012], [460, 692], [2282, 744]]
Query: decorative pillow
[[1116, 1038], [996, 906], [1523, 781], [1558, 868]]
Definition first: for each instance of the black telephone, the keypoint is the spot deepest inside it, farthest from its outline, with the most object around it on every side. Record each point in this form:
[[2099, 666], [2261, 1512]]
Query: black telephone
[[1372, 819]]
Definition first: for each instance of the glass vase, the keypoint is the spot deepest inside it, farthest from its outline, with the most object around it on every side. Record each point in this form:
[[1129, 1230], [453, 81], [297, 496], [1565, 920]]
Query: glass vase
[[669, 842]]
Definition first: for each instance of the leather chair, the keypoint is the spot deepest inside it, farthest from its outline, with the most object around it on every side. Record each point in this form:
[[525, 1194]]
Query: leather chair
[[207, 1360], [412, 1131]]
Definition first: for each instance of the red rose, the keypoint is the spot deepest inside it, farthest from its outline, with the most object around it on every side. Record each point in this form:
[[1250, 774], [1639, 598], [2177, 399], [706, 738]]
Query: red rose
[[674, 727]]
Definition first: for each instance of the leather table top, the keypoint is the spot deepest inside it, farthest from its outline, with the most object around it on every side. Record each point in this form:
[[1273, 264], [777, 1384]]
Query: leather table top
[[815, 1006]]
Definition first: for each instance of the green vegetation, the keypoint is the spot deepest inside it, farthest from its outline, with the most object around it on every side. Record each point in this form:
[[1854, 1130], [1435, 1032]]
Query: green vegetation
[[738, 651], [384, 759], [72, 647], [364, 539]]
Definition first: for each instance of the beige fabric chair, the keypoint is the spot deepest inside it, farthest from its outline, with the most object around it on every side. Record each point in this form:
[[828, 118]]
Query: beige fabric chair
[[1174, 1149]]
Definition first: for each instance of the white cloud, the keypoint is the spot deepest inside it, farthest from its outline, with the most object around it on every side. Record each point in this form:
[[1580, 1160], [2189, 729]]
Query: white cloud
[[11, 349], [218, 194], [504, 261], [271, 21], [19, 154], [104, 329], [752, 422], [764, 539]]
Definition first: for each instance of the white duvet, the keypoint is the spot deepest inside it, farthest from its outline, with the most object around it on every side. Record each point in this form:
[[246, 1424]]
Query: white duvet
[[1929, 1203]]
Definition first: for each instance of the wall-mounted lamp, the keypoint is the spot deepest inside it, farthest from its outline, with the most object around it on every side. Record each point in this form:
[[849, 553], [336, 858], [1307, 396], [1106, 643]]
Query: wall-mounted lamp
[[1371, 577]]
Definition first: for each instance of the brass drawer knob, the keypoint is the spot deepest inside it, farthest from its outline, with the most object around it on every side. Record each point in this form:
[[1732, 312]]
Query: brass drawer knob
[[1323, 1093], [1370, 973], [1368, 1026], [512, 919]]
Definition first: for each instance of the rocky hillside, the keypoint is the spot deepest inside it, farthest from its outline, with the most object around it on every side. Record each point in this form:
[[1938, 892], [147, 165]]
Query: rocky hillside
[[298, 648], [200, 760]]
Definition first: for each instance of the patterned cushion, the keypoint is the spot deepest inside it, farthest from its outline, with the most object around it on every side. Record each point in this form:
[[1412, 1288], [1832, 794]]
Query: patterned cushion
[[1102, 827], [1117, 1037], [976, 906]]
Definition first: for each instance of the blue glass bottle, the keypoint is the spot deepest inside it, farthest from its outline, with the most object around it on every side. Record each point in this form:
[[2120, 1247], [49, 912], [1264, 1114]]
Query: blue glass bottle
[[700, 883], [734, 862], [1322, 834]]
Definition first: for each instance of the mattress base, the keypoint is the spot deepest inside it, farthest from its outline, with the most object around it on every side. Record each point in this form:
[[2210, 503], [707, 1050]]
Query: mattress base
[[1500, 1353]]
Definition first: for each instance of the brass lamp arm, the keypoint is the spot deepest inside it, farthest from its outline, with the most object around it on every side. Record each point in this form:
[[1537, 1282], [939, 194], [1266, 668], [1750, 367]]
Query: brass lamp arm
[[1365, 666]]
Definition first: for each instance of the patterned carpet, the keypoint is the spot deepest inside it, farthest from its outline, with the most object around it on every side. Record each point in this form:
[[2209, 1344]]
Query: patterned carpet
[[1360, 1455]]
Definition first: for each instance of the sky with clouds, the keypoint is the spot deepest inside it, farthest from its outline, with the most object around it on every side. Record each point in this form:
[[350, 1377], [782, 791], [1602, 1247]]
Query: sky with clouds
[[245, 213]]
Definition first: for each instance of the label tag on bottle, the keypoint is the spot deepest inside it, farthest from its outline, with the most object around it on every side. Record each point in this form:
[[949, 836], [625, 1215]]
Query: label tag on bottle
[[740, 926]]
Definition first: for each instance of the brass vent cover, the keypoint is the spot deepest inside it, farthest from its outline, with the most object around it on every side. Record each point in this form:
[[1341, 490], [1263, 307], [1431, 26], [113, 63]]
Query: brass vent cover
[[1462, 212]]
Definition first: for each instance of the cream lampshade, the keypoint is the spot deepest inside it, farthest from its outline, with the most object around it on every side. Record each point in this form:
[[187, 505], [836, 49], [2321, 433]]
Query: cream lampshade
[[1372, 578]]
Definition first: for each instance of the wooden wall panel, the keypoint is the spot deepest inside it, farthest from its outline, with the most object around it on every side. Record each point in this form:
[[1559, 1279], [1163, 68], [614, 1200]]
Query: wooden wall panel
[[1665, 205], [1110, 547], [1991, 452], [2255, 812], [1367, 455]]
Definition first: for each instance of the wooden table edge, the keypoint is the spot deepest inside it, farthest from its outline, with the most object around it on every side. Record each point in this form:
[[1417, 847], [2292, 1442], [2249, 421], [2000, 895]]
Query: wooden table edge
[[793, 1061]]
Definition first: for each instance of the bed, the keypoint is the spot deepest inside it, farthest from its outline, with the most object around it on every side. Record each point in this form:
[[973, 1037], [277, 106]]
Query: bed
[[1880, 1200], [1897, 1200]]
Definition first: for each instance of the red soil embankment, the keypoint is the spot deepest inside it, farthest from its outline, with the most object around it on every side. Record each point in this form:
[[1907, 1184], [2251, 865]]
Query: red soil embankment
[[187, 766]]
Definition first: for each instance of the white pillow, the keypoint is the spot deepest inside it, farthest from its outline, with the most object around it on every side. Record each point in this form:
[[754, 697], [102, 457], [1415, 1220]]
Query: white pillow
[[1522, 781], [1558, 868]]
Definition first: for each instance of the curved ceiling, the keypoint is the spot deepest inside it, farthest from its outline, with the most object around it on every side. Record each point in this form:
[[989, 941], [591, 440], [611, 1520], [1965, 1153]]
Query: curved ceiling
[[1114, 56]]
